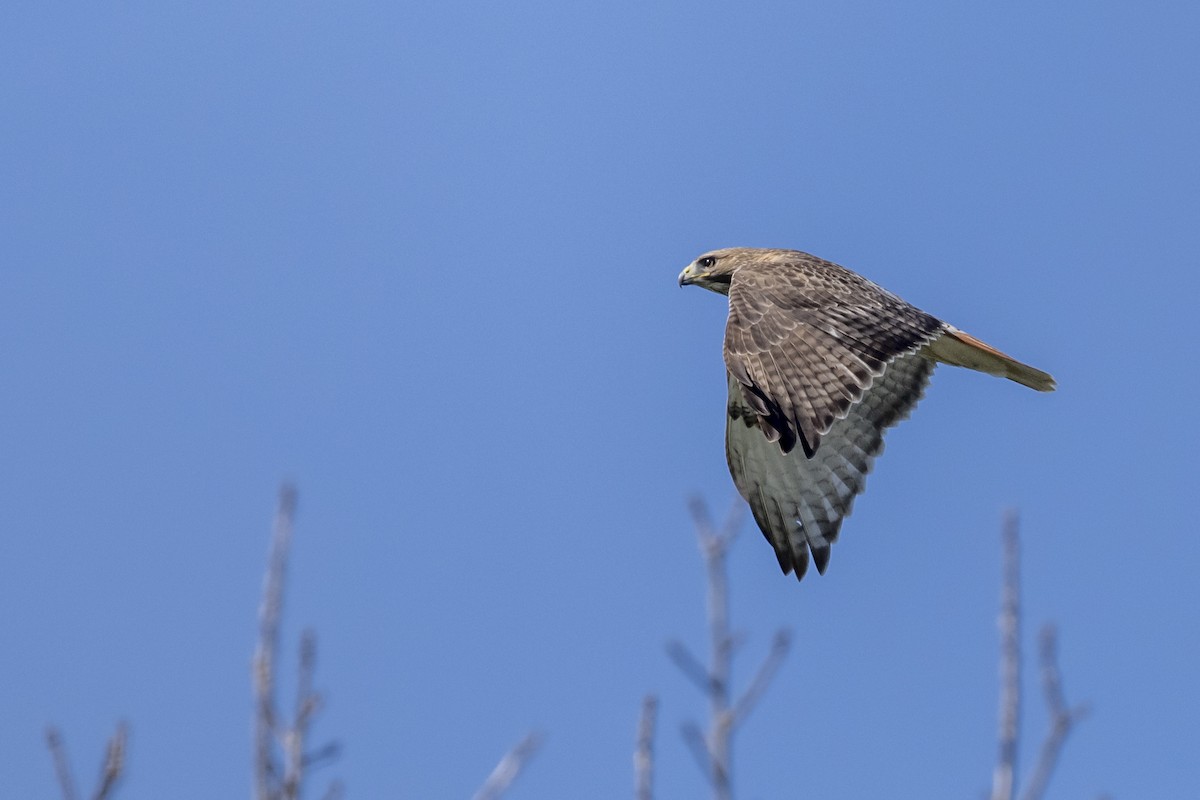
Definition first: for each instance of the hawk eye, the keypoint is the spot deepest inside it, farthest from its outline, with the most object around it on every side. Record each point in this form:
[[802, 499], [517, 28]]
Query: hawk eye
[[707, 262]]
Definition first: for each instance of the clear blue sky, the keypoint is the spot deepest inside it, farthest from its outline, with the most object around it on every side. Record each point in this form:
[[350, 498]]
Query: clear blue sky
[[421, 259]]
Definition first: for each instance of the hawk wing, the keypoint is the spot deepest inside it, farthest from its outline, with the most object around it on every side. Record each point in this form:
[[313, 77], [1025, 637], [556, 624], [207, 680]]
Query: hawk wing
[[821, 356], [799, 502], [807, 338]]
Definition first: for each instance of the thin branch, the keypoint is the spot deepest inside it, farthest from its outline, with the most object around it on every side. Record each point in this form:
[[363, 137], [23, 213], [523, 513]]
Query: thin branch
[[1004, 777], [701, 518], [1062, 717], [307, 701], [714, 752], [1051, 677], [273, 737], [696, 745], [762, 679], [689, 665], [62, 767], [114, 763], [334, 792], [715, 548], [267, 772], [307, 704], [509, 768], [319, 758], [643, 755], [110, 771]]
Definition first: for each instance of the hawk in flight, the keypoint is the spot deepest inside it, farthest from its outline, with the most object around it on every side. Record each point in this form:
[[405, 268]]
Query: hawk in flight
[[820, 363]]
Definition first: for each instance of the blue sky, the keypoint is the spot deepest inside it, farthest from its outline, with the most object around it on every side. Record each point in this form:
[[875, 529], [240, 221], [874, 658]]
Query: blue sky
[[421, 259]]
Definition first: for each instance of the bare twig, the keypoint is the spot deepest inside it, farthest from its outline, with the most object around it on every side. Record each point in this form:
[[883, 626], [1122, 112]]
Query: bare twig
[[281, 761], [714, 751], [267, 772], [114, 763], [318, 758], [509, 768], [307, 704], [693, 737], [1004, 777], [643, 755], [689, 665], [110, 771], [701, 518], [334, 792], [715, 548], [762, 679], [1062, 717], [62, 767]]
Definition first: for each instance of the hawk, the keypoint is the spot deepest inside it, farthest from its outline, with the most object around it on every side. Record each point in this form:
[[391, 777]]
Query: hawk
[[820, 362]]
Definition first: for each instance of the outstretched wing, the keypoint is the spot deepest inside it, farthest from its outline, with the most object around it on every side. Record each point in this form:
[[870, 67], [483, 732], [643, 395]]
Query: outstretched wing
[[799, 502], [806, 340]]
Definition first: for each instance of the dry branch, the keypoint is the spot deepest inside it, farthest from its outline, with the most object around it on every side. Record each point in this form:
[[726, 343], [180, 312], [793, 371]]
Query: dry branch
[[110, 771], [62, 767], [762, 679], [281, 761], [1004, 777], [114, 763], [1062, 717], [713, 750], [267, 772], [643, 755], [509, 768]]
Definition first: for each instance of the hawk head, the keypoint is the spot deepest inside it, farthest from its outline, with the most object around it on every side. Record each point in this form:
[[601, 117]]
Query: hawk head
[[714, 270]]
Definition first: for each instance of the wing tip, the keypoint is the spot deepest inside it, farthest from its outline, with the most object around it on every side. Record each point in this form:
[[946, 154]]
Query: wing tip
[[820, 557], [796, 562]]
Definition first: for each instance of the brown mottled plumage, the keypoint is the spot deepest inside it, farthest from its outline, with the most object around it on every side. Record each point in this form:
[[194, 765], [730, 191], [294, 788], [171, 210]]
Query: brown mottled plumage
[[821, 357]]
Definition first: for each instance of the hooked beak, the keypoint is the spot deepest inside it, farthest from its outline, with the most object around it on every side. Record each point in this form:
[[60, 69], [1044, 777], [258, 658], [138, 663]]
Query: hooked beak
[[688, 276]]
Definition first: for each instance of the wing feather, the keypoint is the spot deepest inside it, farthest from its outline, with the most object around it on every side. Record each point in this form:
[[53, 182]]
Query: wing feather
[[807, 338], [799, 502]]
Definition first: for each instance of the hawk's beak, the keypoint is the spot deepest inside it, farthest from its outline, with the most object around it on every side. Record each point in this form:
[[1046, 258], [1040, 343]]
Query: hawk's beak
[[686, 276]]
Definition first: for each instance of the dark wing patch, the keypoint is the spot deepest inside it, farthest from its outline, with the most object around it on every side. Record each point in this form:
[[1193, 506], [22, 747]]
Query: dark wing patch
[[799, 503], [807, 338]]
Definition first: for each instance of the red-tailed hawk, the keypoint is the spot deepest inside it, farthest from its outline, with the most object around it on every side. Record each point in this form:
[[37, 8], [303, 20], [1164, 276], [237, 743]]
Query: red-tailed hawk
[[821, 362]]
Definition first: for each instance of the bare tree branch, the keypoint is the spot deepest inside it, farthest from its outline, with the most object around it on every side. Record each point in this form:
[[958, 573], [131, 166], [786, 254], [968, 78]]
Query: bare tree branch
[[704, 524], [318, 758], [509, 768], [715, 548], [1062, 717], [643, 755], [114, 763], [689, 665], [281, 762], [714, 751], [697, 746], [110, 771], [1004, 777], [307, 701], [307, 705], [62, 767], [267, 772], [334, 792], [762, 679], [701, 518]]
